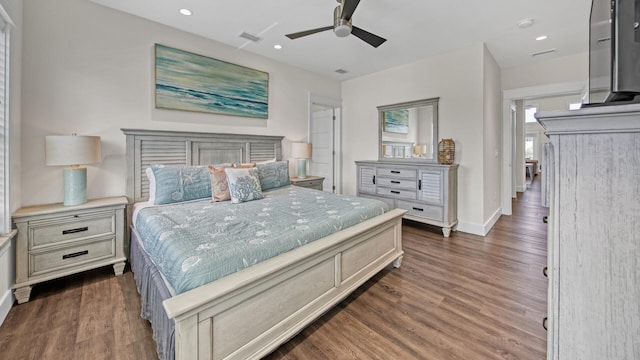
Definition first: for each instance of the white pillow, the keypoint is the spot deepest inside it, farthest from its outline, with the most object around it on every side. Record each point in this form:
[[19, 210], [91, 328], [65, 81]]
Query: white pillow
[[244, 184], [152, 185]]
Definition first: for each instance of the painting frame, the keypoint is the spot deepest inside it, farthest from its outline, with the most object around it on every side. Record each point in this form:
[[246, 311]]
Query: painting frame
[[396, 121], [192, 82]]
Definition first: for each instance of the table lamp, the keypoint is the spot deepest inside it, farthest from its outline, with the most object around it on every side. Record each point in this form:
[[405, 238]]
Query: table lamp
[[73, 151], [302, 152]]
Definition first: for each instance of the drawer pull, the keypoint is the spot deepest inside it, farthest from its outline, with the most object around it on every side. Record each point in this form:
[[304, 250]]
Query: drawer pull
[[76, 254], [418, 209], [395, 172], [420, 184], [73, 231], [544, 323], [374, 179], [545, 219], [395, 182], [395, 192], [544, 271]]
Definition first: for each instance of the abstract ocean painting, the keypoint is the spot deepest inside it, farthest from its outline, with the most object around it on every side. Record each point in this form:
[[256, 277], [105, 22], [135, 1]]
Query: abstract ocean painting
[[192, 82], [396, 121]]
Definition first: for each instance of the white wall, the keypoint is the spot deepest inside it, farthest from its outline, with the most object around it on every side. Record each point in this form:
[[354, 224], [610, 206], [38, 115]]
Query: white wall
[[7, 251], [565, 69], [492, 134], [457, 78], [89, 70]]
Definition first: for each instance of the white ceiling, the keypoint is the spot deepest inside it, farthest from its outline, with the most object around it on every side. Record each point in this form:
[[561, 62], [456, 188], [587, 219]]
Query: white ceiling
[[414, 29]]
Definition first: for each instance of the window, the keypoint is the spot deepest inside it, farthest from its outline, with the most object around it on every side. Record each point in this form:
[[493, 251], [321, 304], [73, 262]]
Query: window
[[528, 114], [531, 146]]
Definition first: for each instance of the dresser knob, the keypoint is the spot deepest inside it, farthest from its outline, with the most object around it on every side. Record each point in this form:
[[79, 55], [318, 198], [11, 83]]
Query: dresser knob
[[545, 219], [544, 323]]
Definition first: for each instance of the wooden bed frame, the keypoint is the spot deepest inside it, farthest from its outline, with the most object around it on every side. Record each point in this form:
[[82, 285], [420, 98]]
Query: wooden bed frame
[[248, 314]]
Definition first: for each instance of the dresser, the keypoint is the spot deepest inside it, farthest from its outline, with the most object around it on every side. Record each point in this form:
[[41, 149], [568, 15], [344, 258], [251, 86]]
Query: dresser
[[311, 182], [429, 192], [56, 240], [593, 232]]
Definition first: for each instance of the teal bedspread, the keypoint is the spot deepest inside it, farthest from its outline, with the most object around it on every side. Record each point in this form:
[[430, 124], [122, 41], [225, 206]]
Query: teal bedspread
[[194, 243]]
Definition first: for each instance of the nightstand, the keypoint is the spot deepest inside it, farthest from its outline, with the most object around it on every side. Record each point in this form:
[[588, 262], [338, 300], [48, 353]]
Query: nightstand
[[56, 240], [311, 182]]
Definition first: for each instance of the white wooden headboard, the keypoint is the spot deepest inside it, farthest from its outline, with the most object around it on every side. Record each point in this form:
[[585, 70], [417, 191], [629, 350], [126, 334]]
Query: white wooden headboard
[[146, 147]]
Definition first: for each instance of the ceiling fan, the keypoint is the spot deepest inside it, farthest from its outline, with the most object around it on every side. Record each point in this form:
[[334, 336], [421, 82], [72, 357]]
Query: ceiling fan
[[342, 25]]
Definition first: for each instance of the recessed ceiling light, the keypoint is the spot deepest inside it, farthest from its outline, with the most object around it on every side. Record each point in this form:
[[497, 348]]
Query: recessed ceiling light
[[185, 12], [541, 37], [525, 23], [277, 46]]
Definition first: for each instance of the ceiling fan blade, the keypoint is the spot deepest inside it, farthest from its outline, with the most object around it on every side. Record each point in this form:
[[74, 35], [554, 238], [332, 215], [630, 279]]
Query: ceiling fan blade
[[308, 32], [348, 7], [369, 38]]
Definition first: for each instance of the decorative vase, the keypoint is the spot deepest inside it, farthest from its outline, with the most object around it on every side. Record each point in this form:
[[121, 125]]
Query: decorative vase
[[446, 151]]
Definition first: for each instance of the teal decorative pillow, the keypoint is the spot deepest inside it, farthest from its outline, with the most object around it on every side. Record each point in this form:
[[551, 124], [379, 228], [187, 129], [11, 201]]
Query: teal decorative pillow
[[273, 174], [244, 184], [176, 183]]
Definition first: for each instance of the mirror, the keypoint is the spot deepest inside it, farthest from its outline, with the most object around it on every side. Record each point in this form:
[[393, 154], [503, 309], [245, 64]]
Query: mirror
[[409, 131]]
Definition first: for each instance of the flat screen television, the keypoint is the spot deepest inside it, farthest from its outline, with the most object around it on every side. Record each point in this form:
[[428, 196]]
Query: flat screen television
[[614, 52]]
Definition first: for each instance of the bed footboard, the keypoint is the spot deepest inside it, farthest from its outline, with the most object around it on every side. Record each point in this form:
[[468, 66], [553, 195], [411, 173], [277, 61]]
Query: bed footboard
[[250, 313]]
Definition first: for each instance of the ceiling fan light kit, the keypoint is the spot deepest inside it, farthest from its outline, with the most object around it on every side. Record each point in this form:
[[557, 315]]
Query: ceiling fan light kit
[[342, 26]]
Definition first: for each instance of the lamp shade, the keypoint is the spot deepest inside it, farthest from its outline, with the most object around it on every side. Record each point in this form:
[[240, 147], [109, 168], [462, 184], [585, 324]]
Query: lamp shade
[[62, 150], [300, 150]]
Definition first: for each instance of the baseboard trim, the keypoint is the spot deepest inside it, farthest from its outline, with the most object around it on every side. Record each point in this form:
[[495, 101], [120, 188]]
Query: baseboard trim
[[5, 305], [478, 229], [521, 188]]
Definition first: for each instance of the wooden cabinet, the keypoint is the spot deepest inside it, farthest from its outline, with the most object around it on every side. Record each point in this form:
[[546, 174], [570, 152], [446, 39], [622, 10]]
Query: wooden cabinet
[[311, 182], [56, 240], [594, 233], [427, 191]]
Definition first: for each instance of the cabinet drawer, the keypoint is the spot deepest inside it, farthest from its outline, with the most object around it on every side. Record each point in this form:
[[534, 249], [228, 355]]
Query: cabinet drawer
[[42, 233], [41, 262], [422, 210], [397, 183], [400, 173], [397, 193]]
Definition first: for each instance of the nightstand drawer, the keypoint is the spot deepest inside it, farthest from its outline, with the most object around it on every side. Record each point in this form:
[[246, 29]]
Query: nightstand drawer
[[312, 184], [62, 229], [51, 260]]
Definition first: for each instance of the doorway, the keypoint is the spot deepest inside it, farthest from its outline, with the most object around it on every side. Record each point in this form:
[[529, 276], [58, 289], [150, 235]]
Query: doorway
[[324, 134]]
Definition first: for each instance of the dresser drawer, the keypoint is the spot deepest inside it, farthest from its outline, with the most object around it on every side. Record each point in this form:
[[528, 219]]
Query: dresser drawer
[[41, 262], [397, 183], [422, 210], [397, 193], [56, 230], [399, 173]]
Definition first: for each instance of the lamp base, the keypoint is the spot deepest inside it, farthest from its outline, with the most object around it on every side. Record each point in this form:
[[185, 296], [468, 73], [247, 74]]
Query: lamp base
[[302, 168], [75, 186]]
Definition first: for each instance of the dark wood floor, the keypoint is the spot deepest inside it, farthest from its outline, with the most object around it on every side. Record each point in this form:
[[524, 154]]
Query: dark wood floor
[[465, 297]]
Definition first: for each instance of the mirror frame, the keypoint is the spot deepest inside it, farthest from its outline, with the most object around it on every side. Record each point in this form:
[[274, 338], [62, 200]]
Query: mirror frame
[[406, 105]]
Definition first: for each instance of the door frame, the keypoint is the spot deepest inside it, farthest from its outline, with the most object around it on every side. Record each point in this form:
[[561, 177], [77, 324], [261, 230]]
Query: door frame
[[335, 104], [508, 96]]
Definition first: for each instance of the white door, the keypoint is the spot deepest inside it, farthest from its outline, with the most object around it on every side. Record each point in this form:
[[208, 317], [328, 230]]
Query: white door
[[322, 141]]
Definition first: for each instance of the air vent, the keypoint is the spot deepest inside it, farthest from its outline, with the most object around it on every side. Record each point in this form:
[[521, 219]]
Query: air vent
[[544, 52], [341, 71], [250, 37]]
